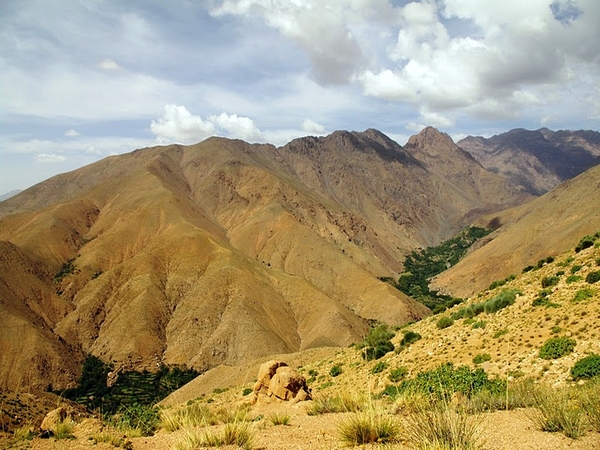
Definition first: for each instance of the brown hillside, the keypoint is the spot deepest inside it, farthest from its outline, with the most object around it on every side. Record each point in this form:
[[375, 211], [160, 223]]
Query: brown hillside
[[544, 227], [219, 252]]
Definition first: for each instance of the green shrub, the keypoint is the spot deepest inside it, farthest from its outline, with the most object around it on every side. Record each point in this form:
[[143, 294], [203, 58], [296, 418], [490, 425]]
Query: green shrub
[[528, 269], [587, 367], [379, 367], [141, 417], [576, 268], [593, 277], [586, 242], [583, 294], [481, 358], [398, 374], [573, 278], [543, 300], [478, 324], [499, 333], [549, 281], [557, 347], [247, 391], [409, 338], [445, 380], [377, 342], [335, 370], [502, 300], [444, 322]]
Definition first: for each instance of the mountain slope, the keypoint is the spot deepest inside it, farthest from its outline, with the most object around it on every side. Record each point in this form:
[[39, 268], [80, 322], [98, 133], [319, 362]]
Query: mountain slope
[[544, 227], [222, 251], [537, 160]]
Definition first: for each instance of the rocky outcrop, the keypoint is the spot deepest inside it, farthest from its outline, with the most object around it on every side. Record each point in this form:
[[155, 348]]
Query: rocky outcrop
[[276, 380]]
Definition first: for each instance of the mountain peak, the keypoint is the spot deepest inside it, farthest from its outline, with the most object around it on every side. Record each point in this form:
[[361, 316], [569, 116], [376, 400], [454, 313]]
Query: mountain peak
[[431, 137]]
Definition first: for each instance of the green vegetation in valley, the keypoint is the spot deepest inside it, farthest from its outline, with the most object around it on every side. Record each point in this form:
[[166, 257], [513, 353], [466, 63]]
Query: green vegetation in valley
[[421, 265], [130, 390], [66, 269]]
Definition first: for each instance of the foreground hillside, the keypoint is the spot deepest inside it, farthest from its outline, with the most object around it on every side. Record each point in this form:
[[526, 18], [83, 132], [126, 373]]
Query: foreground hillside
[[507, 388], [223, 252]]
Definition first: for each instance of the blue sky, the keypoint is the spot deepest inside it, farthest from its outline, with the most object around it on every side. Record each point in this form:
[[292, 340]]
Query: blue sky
[[81, 80]]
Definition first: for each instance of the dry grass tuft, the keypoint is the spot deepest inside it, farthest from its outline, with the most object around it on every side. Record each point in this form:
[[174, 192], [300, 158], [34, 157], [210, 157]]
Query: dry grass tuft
[[193, 415], [341, 402], [444, 427], [557, 410], [370, 426]]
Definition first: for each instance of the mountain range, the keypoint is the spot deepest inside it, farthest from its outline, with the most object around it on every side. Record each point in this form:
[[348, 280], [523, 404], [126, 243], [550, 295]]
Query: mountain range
[[223, 251]]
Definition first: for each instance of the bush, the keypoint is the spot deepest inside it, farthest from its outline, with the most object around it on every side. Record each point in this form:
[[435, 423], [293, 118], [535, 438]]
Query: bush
[[377, 342], [444, 322], [528, 269], [549, 281], [409, 338], [445, 380], [557, 347], [379, 367], [593, 277], [398, 374], [481, 358], [587, 367], [583, 294], [576, 268], [502, 300], [573, 278], [586, 242], [141, 417], [335, 370]]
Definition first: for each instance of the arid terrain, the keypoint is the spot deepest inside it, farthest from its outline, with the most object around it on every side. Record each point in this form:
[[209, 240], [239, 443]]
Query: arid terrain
[[223, 255]]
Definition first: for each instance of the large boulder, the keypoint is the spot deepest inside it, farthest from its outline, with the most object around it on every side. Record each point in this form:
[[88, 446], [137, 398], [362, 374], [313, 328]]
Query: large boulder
[[276, 380], [53, 419]]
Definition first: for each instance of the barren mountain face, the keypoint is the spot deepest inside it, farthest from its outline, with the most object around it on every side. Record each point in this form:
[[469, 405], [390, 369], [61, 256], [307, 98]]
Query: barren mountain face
[[222, 252], [544, 227], [536, 160]]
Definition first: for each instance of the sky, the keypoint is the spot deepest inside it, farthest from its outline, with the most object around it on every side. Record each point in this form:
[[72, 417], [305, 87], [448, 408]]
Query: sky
[[84, 79]]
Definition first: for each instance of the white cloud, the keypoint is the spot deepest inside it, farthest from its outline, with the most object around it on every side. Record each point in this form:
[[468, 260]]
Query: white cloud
[[179, 125], [72, 133], [312, 127], [50, 158], [108, 64]]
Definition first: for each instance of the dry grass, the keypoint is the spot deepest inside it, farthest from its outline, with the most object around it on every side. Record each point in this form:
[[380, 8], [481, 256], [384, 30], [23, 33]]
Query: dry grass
[[240, 434], [340, 402], [279, 419], [189, 416], [443, 427], [369, 426], [64, 429], [559, 410]]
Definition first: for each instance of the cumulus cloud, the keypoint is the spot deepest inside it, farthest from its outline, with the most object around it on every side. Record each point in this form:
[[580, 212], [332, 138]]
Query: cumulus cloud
[[322, 29], [71, 133], [487, 59], [108, 64], [312, 127], [180, 125], [50, 158]]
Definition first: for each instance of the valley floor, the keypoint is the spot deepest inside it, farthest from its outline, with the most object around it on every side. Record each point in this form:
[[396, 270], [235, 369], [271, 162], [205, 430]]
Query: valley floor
[[500, 430]]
